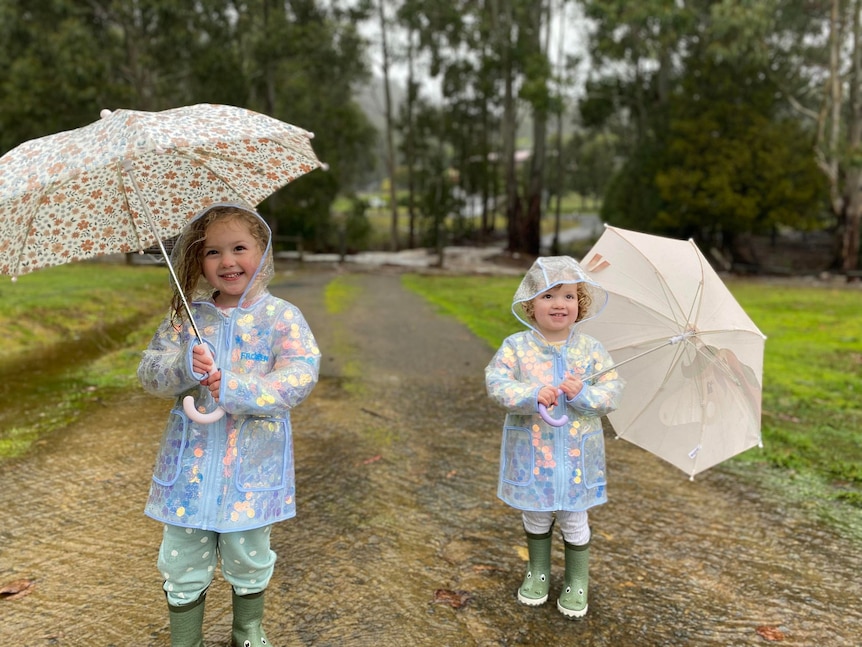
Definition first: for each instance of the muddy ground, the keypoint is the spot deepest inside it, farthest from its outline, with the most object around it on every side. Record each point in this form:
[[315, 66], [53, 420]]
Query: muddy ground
[[399, 539]]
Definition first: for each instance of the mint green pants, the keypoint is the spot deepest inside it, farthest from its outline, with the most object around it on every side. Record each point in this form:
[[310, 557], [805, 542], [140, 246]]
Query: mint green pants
[[188, 558]]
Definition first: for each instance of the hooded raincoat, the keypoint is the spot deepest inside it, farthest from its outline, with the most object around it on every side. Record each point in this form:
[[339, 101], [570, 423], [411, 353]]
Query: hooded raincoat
[[236, 473], [542, 467]]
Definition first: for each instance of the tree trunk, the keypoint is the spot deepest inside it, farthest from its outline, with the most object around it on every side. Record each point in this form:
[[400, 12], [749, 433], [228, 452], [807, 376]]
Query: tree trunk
[[852, 192], [390, 140], [531, 229], [502, 29], [410, 138]]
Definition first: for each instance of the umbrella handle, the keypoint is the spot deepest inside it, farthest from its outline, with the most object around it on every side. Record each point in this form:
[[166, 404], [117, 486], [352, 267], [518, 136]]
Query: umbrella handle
[[197, 416], [189, 401], [554, 422]]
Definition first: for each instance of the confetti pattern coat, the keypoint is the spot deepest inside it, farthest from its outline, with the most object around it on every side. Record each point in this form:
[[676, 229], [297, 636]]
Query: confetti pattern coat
[[236, 473], [546, 468]]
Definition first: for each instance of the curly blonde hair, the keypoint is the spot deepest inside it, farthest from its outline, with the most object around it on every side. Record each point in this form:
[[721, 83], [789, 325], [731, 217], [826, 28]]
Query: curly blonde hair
[[585, 301], [189, 264]]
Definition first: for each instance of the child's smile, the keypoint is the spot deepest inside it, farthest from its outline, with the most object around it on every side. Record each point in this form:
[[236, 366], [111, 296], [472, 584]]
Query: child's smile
[[231, 257], [555, 311]]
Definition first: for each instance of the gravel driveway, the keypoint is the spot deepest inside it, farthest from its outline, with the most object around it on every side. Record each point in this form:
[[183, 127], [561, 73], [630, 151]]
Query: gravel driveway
[[399, 538]]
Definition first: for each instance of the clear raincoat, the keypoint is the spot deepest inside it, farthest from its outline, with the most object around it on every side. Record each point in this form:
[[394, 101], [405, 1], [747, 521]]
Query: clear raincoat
[[542, 467], [236, 473]]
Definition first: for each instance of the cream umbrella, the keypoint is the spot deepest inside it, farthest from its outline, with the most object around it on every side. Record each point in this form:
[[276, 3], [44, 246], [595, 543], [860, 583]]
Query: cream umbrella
[[691, 357]]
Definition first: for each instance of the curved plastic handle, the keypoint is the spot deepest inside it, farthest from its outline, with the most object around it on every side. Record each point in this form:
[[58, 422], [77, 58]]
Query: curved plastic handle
[[203, 418], [189, 402], [554, 422]]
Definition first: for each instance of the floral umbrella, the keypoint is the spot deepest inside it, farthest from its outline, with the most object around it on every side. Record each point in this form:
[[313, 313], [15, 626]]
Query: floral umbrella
[[133, 178], [691, 357], [128, 181]]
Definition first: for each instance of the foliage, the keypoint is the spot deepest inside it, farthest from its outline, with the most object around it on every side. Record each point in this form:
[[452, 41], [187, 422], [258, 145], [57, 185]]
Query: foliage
[[716, 153], [357, 227], [690, 123], [729, 167]]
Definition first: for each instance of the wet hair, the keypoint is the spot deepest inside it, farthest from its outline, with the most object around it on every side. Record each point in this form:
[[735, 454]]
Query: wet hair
[[189, 262], [585, 300]]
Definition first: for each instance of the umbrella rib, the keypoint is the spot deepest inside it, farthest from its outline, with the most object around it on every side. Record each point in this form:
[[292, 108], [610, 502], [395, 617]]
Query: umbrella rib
[[128, 206], [218, 176], [658, 314], [598, 374]]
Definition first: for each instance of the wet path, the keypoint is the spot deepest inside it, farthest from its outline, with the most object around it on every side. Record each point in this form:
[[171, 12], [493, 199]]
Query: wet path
[[396, 455]]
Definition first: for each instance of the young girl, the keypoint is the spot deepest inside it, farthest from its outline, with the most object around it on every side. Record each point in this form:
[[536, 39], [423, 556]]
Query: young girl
[[218, 487], [549, 471]]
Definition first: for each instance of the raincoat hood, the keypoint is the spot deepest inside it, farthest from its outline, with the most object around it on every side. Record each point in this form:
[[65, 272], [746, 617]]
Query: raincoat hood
[[193, 232], [548, 272]]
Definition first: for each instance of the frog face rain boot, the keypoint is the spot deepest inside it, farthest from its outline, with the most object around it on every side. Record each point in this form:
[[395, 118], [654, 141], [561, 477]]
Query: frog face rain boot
[[187, 623], [537, 580], [573, 599], [247, 618]]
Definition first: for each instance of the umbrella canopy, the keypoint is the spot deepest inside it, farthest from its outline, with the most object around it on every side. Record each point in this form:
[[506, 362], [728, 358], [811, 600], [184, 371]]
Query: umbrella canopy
[[133, 178], [691, 357]]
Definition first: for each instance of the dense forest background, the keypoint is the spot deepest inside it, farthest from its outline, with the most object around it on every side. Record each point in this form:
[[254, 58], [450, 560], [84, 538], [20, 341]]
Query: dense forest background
[[724, 121]]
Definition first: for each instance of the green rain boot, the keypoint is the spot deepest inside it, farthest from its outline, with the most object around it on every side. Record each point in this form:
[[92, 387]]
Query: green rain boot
[[573, 599], [247, 618], [187, 624], [537, 581]]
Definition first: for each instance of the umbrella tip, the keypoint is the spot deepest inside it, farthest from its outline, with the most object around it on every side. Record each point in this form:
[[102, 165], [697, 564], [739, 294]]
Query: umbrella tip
[[324, 166], [310, 134], [105, 113]]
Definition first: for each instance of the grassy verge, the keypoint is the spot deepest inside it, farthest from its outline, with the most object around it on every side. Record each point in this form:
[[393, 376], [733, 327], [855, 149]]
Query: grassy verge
[[49, 309], [812, 409], [57, 304]]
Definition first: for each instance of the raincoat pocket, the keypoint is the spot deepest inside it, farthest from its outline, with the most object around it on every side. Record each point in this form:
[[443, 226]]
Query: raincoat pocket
[[593, 451], [517, 456], [168, 463], [263, 454]]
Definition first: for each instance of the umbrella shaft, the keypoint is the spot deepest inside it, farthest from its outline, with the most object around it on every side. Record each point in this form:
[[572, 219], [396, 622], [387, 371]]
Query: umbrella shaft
[[167, 258], [594, 376], [176, 280]]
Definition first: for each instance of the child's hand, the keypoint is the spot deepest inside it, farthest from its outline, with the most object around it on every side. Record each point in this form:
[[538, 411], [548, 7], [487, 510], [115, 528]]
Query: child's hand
[[202, 361], [547, 396], [571, 386], [213, 383]]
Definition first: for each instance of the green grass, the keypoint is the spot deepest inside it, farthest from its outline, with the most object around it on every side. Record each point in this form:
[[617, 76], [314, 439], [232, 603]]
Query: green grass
[[59, 303], [812, 380], [46, 309], [812, 396]]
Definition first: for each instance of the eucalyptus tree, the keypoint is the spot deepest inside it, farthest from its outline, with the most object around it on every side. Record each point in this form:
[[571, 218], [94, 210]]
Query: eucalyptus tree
[[823, 37], [636, 50], [715, 153], [811, 51], [453, 44], [493, 61], [384, 23]]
